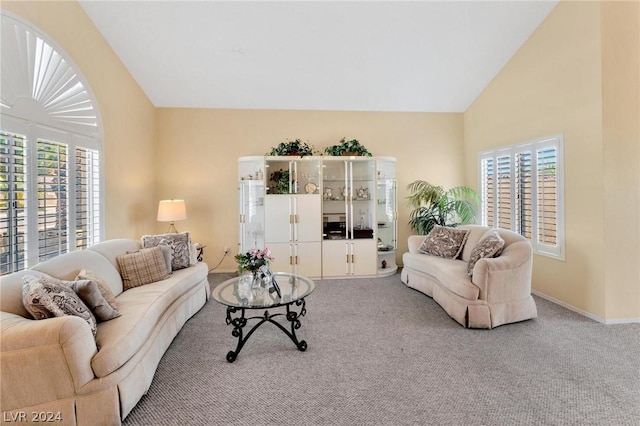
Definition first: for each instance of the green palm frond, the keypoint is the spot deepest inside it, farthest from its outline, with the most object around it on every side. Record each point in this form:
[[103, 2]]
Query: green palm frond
[[434, 206]]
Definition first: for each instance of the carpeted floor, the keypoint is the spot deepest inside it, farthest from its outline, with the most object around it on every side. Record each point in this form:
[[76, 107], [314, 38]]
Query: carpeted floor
[[380, 353]]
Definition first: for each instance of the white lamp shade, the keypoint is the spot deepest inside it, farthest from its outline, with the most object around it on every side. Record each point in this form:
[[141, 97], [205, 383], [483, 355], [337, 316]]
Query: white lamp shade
[[171, 210]]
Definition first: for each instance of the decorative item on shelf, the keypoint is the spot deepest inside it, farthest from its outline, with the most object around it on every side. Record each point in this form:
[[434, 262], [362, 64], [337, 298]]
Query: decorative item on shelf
[[279, 182], [435, 206], [294, 147], [362, 193], [172, 211], [327, 195], [310, 188], [345, 147]]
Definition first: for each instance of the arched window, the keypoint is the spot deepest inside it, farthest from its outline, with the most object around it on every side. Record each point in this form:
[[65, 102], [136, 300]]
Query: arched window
[[50, 151]]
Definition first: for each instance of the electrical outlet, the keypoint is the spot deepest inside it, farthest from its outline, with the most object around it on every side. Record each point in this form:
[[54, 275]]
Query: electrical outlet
[[226, 249]]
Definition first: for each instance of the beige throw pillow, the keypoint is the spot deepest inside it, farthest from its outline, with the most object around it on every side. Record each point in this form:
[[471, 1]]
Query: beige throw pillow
[[490, 245], [102, 285], [444, 241], [90, 294], [46, 297], [142, 267]]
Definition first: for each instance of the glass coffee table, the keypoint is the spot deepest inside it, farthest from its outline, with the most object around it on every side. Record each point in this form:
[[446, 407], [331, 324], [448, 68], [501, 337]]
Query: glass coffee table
[[240, 298]]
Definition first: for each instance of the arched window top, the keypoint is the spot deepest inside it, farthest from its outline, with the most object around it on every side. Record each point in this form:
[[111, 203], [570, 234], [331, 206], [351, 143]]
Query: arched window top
[[40, 83]]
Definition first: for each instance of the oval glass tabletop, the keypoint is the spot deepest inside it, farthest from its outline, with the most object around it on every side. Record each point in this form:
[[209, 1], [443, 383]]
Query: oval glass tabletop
[[238, 291]]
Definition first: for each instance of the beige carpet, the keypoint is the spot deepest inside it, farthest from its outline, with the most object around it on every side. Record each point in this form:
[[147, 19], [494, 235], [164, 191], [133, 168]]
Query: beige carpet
[[382, 354]]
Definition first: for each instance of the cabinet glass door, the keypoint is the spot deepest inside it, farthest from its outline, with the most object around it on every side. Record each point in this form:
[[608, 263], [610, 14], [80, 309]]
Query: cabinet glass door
[[292, 175], [251, 192], [387, 216]]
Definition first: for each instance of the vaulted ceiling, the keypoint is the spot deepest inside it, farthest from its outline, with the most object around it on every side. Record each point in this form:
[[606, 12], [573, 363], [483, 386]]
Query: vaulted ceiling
[[362, 55]]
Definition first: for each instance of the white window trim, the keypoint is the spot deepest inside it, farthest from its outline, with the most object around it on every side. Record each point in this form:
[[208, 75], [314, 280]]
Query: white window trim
[[557, 141]]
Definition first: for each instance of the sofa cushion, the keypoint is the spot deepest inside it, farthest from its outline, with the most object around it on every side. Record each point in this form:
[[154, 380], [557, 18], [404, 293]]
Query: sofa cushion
[[180, 244], [142, 267], [46, 297], [490, 245], [444, 241], [451, 273], [142, 309]]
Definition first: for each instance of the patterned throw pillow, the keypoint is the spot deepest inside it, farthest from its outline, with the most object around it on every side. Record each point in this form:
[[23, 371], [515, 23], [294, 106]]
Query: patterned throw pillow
[[180, 244], [444, 241], [102, 285], [490, 245], [46, 297], [142, 267]]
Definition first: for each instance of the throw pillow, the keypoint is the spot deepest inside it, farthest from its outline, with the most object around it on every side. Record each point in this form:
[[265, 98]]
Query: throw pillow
[[142, 267], [444, 241], [90, 294], [46, 297], [180, 244], [490, 245], [167, 252], [102, 285]]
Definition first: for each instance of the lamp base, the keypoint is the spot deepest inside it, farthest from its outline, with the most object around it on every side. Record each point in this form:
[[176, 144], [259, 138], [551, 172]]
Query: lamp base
[[172, 228]]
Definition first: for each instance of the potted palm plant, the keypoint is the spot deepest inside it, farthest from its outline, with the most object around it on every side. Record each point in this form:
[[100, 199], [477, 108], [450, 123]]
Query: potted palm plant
[[432, 205]]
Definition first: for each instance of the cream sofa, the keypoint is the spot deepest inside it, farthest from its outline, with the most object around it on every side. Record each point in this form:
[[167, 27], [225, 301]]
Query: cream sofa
[[57, 366], [498, 292]]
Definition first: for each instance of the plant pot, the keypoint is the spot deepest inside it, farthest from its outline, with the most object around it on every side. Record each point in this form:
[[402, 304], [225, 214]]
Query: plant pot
[[350, 154]]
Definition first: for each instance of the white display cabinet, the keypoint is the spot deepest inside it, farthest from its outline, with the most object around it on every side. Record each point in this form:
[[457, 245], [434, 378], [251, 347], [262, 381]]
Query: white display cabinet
[[320, 216]]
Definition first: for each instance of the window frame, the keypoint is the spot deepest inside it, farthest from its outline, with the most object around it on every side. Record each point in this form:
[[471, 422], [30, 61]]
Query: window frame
[[34, 133], [533, 147]]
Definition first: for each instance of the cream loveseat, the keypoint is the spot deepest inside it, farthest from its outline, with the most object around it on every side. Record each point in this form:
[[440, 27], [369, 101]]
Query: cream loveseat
[[56, 369], [498, 292]]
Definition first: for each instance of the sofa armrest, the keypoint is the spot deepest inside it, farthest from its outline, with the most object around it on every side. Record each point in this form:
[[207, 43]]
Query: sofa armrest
[[414, 242], [53, 356], [506, 277]]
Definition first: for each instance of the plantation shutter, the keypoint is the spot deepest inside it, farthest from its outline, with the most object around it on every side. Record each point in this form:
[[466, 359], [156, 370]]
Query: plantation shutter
[[521, 190], [488, 190], [524, 193], [53, 199], [503, 196], [87, 197], [547, 196], [13, 218]]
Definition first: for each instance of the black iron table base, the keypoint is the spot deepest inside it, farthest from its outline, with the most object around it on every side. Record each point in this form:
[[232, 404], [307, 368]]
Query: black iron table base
[[240, 321]]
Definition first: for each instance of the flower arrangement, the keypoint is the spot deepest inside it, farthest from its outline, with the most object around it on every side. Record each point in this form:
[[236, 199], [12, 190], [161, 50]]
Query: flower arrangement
[[253, 260]]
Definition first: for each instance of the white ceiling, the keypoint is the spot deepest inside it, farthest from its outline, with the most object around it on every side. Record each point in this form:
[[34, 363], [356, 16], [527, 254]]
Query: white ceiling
[[363, 55]]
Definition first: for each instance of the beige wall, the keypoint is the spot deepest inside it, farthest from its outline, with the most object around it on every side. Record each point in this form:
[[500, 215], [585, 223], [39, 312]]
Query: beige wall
[[555, 84], [621, 142], [198, 151], [127, 115]]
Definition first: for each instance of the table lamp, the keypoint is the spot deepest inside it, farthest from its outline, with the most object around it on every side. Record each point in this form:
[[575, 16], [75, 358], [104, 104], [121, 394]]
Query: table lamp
[[172, 211]]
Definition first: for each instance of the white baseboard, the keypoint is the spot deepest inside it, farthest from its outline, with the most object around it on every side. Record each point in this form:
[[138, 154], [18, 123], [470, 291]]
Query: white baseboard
[[585, 313]]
